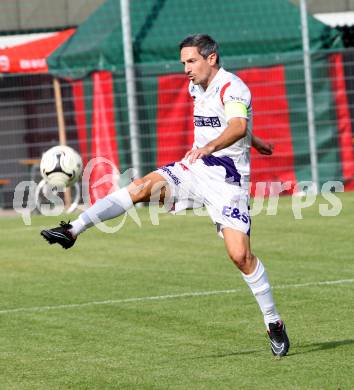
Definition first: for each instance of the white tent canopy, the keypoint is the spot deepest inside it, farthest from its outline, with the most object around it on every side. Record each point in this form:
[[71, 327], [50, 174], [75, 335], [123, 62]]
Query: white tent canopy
[[334, 19]]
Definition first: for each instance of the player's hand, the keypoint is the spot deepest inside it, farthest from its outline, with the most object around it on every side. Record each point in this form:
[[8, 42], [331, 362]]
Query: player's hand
[[262, 147], [194, 154], [266, 148]]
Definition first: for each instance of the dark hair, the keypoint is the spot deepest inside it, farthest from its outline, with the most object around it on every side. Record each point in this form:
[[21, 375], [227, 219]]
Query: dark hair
[[204, 43]]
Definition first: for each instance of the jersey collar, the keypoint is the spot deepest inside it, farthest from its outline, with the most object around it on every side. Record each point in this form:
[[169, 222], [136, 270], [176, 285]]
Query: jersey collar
[[221, 72]]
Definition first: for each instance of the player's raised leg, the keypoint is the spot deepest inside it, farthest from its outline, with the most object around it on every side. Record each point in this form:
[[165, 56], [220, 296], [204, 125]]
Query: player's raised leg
[[111, 206], [254, 274]]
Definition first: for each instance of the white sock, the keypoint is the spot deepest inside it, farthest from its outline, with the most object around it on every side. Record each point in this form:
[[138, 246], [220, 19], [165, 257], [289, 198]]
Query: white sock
[[260, 287], [111, 206]]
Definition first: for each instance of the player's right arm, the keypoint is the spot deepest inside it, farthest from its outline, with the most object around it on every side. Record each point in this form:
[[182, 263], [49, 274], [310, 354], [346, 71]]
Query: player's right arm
[[236, 129], [236, 98]]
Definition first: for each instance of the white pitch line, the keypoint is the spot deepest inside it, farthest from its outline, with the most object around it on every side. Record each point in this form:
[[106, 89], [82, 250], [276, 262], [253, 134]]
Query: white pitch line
[[164, 297], [309, 284]]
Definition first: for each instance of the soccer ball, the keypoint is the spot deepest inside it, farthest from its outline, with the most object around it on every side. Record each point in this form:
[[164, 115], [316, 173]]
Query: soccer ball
[[61, 166]]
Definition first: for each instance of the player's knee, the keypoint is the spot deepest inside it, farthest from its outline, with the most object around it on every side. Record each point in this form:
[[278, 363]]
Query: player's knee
[[240, 257], [139, 190]]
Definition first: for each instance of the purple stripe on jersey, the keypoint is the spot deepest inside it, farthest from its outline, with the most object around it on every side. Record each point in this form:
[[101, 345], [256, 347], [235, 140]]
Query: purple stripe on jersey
[[172, 164], [232, 175]]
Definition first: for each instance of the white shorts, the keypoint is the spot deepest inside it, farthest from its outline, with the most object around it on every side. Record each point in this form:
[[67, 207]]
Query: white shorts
[[213, 182]]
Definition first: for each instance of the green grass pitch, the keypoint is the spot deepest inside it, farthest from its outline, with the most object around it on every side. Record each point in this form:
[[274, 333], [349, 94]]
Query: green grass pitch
[[86, 318]]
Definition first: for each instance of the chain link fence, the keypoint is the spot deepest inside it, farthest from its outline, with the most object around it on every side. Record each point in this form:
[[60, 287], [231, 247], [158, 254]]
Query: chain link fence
[[260, 40]]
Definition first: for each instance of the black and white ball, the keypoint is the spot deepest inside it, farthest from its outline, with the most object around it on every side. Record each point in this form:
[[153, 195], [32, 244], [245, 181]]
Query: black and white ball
[[61, 166]]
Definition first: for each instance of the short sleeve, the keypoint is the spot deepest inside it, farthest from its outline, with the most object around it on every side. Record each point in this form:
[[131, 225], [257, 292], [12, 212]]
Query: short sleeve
[[236, 91]]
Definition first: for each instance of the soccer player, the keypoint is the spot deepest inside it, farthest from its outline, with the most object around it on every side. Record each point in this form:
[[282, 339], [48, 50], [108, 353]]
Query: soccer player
[[214, 172]]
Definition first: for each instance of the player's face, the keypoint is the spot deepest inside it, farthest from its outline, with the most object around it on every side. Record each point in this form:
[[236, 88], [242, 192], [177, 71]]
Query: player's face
[[199, 70]]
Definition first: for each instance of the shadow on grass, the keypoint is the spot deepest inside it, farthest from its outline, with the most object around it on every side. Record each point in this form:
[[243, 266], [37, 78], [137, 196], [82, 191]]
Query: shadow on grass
[[299, 350], [322, 346], [228, 354]]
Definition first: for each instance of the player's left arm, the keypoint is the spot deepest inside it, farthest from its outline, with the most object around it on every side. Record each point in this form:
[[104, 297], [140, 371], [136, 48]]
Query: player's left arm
[[236, 129], [261, 146]]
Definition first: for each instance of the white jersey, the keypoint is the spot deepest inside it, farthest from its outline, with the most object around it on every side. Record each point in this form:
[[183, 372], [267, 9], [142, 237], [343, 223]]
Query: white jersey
[[210, 120], [218, 181]]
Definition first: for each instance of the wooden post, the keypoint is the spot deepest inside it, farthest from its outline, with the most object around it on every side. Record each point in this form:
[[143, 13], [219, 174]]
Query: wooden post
[[60, 111], [61, 130]]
